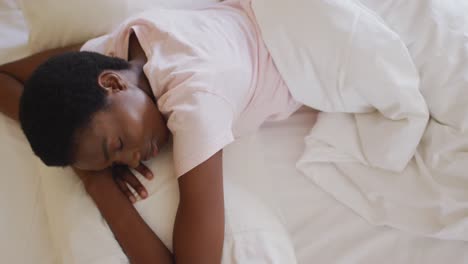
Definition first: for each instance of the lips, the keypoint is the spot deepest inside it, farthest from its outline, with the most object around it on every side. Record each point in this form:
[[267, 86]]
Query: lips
[[147, 155]]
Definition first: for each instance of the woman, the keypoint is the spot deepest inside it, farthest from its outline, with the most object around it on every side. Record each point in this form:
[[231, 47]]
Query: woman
[[204, 78]]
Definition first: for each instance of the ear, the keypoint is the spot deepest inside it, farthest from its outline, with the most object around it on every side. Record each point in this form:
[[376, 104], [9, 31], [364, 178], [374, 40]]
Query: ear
[[112, 82]]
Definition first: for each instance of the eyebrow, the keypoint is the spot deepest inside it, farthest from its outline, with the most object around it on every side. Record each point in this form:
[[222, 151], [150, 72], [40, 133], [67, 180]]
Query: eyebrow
[[104, 149]]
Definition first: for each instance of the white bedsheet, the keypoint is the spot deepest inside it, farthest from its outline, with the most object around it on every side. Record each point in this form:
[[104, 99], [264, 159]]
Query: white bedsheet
[[379, 72], [322, 229]]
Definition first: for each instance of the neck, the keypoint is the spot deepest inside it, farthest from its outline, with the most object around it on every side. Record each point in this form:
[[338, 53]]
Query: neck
[[137, 59], [137, 76], [136, 69]]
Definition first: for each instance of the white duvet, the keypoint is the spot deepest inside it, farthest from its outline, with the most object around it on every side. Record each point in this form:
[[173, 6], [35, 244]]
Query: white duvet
[[393, 78]]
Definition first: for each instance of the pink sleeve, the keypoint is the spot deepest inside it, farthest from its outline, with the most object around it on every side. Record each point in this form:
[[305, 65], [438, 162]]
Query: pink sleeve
[[201, 125]]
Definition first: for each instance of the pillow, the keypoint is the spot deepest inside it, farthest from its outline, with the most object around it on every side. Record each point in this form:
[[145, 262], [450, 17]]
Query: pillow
[[252, 235], [23, 221], [58, 23], [13, 29]]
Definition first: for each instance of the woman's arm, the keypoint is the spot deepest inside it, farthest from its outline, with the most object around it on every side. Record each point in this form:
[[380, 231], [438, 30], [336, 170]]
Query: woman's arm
[[22, 69], [138, 241], [14, 75], [10, 93], [199, 227]]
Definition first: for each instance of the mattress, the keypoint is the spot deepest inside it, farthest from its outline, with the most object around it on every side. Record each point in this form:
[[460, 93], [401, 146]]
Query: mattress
[[322, 230]]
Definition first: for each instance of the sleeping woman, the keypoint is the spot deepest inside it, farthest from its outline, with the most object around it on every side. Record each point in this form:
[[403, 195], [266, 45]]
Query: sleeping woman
[[200, 78]]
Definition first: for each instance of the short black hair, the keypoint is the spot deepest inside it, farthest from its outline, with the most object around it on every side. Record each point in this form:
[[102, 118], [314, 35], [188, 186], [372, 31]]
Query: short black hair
[[60, 98]]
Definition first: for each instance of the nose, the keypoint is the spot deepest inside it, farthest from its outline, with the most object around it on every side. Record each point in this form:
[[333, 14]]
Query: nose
[[131, 158]]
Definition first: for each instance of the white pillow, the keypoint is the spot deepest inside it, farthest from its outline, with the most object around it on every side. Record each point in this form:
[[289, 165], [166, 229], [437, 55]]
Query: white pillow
[[13, 29], [253, 234], [23, 221], [58, 23]]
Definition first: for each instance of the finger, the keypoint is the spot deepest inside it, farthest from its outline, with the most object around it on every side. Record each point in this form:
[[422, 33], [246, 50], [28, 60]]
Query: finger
[[124, 188], [143, 170], [135, 184]]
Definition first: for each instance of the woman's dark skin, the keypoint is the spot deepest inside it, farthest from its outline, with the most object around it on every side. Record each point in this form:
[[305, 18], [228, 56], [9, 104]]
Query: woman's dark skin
[[199, 226]]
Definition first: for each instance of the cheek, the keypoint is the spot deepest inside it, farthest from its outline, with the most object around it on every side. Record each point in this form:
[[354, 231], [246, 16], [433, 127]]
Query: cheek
[[133, 127], [136, 119]]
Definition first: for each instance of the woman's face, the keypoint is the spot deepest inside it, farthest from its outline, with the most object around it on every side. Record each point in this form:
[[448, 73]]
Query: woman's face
[[130, 130]]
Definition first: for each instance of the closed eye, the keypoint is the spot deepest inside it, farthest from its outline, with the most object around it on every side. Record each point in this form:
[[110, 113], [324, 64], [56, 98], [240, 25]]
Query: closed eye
[[121, 146]]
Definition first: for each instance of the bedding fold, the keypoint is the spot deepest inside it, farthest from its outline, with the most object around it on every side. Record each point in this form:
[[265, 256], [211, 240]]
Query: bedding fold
[[390, 77]]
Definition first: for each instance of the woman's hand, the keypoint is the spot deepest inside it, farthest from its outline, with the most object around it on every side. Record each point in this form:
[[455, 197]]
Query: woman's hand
[[122, 176]]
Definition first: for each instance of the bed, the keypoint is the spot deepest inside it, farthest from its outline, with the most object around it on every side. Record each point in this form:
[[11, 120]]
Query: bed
[[321, 229]]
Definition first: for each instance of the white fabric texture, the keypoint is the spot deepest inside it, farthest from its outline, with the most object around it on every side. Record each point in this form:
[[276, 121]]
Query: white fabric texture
[[23, 223], [323, 230], [383, 74], [58, 23], [24, 229], [334, 67], [253, 234], [13, 31]]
